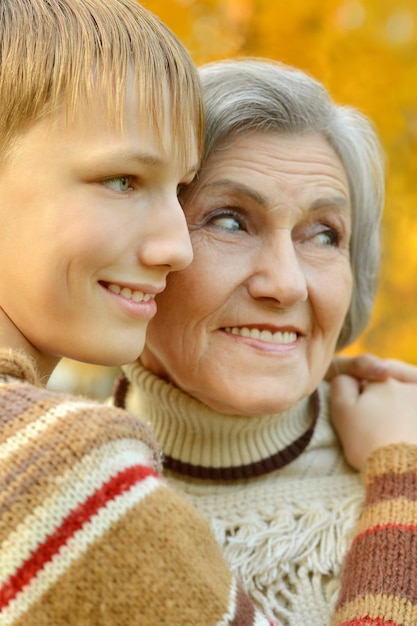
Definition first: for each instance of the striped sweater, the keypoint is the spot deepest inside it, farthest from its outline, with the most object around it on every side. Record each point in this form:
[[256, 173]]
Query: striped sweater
[[286, 506], [89, 533], [379, 583]]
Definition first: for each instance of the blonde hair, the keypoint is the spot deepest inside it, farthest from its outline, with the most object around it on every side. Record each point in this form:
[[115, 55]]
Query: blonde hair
[[57, 54]]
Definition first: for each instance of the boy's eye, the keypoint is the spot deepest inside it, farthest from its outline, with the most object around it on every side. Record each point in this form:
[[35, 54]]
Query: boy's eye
[[118, 183]]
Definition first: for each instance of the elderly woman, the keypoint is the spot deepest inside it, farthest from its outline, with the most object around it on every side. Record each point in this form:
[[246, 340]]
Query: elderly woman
[[284, 219]]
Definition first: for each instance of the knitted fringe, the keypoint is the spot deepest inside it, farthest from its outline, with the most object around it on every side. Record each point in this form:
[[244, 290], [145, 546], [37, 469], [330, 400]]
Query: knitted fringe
[[289, 560]]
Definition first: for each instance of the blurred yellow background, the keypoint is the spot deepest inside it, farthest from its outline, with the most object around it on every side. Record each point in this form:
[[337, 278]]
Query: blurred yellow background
[[366, 55]]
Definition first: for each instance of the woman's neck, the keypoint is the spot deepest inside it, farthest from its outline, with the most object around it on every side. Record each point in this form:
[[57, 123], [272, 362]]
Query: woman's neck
[[203, 443]]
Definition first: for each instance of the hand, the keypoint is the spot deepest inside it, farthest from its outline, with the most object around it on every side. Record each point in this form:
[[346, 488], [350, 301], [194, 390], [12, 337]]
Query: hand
[[367, 417], [372, 368]]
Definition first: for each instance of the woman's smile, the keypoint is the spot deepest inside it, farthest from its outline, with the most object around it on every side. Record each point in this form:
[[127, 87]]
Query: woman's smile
[[267, 336]]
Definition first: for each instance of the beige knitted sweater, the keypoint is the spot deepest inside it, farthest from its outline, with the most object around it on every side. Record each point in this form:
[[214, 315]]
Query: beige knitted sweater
[[276, 489]]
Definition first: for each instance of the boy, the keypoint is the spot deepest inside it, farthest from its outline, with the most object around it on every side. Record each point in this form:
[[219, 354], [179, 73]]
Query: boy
[[101, 122]]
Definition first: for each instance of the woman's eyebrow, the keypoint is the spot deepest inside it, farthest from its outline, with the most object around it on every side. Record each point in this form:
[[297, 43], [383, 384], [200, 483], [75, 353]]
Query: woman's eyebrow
[[339, 202], [239, 187], [319, 203]]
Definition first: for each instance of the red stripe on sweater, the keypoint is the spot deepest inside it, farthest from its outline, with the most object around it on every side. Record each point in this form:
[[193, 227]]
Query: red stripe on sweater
[[118, 484], [369, 621], [390, 526]]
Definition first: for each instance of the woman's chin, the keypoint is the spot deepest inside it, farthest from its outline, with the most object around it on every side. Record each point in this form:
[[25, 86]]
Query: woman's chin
[[253, 406]]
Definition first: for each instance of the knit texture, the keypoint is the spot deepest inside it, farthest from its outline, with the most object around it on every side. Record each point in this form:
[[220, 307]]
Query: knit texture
[[381, 589], [89, 533], [285, 533]]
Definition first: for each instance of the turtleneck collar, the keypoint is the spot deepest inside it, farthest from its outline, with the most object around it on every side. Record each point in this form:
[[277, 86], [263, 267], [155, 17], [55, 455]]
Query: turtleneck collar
[[202, 443]]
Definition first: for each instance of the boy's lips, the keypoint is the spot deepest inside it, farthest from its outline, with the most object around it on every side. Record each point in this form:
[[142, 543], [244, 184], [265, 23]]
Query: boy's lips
[[129, 294], [135, 293]]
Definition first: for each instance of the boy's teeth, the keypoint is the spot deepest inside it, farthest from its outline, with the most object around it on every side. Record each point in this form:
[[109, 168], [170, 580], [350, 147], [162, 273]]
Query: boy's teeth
[[263, 335], [126, 292]]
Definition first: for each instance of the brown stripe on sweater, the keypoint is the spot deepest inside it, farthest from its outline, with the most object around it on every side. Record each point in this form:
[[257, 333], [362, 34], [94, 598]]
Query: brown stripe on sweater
[[30, 474], [392, 485], [361, 577], [245, 613], [393, 611], [22, 404], [258, 468]]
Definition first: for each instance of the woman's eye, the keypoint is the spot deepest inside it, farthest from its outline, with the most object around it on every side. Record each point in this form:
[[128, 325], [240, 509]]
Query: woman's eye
[[118, 183], [228, 222], [328, 237]]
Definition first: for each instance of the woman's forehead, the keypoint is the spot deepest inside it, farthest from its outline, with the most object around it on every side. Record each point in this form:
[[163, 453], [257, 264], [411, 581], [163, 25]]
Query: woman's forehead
[[274, 153]]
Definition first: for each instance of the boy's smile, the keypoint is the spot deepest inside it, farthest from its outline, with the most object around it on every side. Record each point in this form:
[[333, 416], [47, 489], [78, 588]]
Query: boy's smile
[[91, 226]]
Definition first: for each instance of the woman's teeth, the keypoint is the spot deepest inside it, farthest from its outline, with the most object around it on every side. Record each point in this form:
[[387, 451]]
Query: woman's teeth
[[263, 335]]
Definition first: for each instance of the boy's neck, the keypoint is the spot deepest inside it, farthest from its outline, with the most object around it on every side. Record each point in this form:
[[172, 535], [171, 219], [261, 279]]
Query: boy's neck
[[12, 338]]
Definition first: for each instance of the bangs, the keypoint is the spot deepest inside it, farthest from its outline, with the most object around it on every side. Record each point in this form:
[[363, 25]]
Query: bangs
[[76, 50]]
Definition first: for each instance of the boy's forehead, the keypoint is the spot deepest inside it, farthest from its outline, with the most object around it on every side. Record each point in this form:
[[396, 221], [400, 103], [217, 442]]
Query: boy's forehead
[[97, 133], [121, 123]]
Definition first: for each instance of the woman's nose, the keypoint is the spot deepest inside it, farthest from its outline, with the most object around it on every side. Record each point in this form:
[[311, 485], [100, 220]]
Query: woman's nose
[[165, 240], [277, 273]]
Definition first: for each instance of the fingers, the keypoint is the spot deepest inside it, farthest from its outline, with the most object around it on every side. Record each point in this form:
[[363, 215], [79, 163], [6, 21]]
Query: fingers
[[344, 391], [372, 416], [344, 395], [405, 372], [349, 420], [367, 367], [372, 368]]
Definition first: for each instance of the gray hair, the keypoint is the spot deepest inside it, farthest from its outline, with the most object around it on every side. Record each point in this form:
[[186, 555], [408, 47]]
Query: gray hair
[[264, 95]]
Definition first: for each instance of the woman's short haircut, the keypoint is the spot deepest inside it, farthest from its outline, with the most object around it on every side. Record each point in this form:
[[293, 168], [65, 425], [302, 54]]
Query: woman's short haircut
[[60, 54], [253, 94]]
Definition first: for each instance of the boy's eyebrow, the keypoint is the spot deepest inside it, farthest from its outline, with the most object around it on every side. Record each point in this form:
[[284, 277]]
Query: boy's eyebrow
[[150, 159], [114, 155], [144, 157]]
